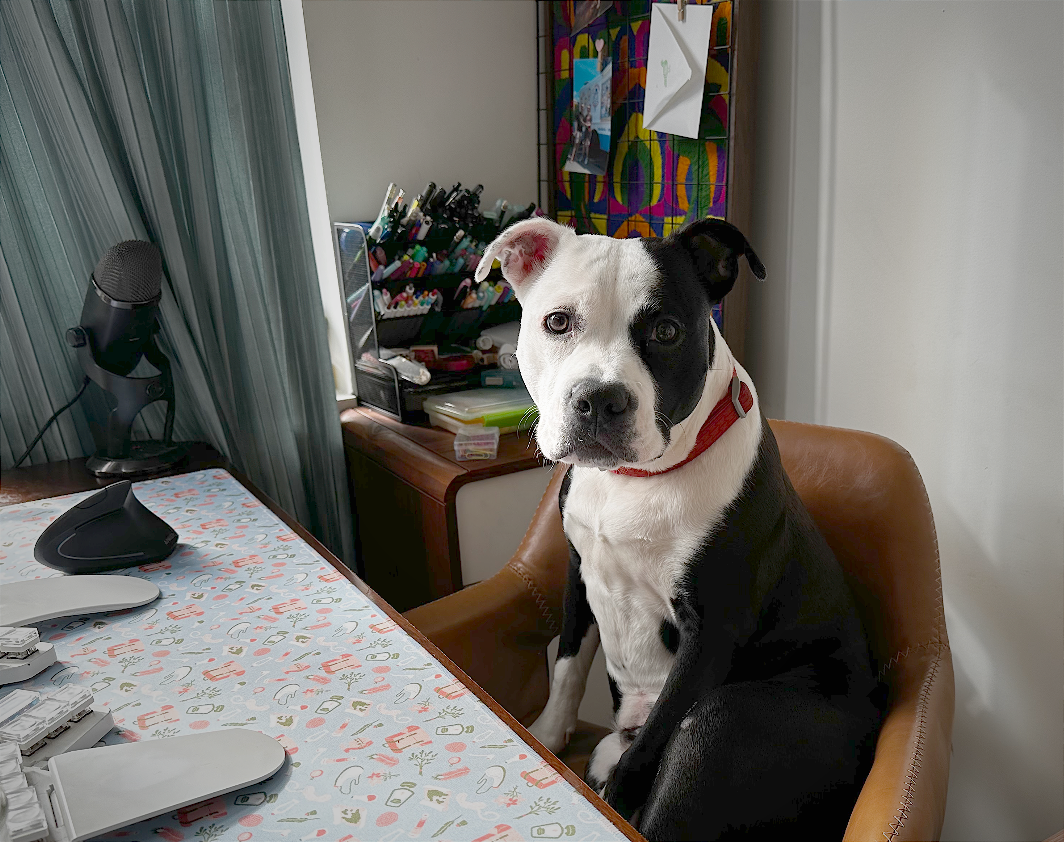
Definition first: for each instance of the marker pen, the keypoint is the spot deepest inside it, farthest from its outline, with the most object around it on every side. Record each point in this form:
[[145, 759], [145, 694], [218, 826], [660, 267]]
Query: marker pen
[[390, 195]]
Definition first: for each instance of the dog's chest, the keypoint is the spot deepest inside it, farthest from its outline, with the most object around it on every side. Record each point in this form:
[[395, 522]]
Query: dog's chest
[[634, 539]]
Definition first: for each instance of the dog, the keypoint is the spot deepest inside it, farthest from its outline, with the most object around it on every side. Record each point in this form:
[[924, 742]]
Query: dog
[[745, 700]]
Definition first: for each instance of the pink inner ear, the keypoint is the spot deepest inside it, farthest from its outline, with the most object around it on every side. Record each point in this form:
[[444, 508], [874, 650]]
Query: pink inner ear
[[531, 250]]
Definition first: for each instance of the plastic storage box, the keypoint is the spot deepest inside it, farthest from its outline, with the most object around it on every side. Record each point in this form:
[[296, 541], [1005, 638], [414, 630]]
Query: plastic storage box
[[476, 443], [506, 409]]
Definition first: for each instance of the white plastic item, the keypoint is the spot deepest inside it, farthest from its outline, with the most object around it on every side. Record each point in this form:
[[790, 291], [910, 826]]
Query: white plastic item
[[18, 643], [508, 358], [29, 719], [476, 442], [25, 821], [506, 409], [83, 794], [410, 370], [504, 334], [101, 789], [36, 600], [22, 655]]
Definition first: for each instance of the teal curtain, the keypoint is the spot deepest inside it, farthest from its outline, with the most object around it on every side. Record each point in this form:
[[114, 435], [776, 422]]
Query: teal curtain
[[169, 121]]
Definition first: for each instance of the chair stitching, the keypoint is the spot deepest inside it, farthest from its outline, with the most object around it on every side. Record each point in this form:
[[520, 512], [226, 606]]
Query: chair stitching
[[541, 600], [904, 653], [940, 620], [915, 765]]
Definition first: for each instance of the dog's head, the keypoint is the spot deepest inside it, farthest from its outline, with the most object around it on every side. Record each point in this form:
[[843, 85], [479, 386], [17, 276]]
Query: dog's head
[[616, 335]]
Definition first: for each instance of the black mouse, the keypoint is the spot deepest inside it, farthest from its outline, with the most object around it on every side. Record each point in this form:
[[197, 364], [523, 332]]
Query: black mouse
[[107, 531]]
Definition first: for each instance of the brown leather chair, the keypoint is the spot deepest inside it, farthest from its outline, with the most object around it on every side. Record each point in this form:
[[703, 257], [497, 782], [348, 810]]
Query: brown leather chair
[[867, 497]]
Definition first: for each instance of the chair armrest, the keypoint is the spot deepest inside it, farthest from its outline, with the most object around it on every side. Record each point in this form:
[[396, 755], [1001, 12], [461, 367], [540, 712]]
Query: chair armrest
[[904, 796], [497, 631]]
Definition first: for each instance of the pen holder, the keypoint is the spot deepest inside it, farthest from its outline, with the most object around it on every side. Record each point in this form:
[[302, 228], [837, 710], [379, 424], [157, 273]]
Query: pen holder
[[451, 324]]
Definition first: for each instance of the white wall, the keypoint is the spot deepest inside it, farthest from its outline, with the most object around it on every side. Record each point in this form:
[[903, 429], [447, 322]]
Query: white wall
[[782, 317], [423, 90], [932, 313]]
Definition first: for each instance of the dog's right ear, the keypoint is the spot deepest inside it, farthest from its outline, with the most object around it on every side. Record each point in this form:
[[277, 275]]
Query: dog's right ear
[[523, 250]]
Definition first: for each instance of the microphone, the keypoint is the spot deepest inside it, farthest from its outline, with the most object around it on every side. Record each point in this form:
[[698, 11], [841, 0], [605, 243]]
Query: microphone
[[117, 330], [121, 304]]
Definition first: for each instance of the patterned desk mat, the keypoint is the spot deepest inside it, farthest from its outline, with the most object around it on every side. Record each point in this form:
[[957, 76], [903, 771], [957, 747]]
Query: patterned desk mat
[[254, 629]]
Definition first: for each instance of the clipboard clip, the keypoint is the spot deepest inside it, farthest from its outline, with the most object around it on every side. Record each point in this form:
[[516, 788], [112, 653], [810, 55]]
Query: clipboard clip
[[681, 10]]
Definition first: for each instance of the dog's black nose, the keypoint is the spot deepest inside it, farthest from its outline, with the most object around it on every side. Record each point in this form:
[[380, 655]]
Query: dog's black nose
[[601, 404]]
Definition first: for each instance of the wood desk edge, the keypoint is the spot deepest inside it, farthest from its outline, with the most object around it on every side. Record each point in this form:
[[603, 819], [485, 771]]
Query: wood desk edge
[[70, 469]]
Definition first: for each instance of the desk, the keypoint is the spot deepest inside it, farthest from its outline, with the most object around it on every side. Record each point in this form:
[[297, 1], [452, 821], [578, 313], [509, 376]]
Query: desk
[[408, 486], [259, 627]]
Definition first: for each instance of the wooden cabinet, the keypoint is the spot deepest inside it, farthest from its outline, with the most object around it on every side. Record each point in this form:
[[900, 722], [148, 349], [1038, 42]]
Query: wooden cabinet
[[406, 484]]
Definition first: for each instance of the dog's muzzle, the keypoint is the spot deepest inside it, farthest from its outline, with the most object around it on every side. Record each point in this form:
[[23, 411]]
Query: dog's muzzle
[[600, 422]]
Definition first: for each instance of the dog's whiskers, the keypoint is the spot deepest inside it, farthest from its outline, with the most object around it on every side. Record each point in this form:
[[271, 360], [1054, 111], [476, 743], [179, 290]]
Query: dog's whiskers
[[532, 435], [528, 412]]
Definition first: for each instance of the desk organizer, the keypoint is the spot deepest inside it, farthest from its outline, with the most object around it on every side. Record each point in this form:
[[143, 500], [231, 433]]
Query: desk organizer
[[444, 323], [255, 630]]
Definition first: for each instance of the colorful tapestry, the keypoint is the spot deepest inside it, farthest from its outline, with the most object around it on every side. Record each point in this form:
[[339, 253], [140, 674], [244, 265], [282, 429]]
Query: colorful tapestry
[[654, 182]]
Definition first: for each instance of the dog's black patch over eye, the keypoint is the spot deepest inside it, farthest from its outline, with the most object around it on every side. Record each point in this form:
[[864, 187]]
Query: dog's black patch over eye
[[667, 332], [558, 322]]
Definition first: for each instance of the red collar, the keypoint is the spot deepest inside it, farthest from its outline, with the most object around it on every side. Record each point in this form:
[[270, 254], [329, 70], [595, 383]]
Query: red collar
[[728, 410]]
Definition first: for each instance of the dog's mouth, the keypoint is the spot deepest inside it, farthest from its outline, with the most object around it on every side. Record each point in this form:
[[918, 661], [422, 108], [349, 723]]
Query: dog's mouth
[[582, 449]]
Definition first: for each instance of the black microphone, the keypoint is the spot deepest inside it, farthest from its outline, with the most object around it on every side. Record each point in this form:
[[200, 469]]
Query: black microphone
[[118, 328], [121, 305]]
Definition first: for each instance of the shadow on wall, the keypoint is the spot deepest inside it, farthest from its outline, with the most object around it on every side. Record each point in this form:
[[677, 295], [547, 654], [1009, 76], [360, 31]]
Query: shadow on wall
[[1007, 782]]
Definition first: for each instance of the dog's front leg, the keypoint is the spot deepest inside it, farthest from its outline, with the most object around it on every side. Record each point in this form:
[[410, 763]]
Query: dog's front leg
[[700, 665], [576, 648]]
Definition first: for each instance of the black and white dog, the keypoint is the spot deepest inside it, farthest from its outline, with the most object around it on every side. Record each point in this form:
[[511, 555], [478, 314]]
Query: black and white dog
[[744, 696]]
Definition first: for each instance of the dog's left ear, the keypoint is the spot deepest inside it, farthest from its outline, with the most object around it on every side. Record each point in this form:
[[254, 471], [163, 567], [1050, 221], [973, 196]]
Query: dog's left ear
[[715, 246]]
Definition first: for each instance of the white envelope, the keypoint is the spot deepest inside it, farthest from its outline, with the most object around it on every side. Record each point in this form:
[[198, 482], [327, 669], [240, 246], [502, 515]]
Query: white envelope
[[676, 69]]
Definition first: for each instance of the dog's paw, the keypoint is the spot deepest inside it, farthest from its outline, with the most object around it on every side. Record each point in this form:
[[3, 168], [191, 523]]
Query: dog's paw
[[551, 733]]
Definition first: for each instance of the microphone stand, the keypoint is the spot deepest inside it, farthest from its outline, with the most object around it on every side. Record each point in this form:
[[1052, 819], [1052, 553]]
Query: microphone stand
[[121, 456]]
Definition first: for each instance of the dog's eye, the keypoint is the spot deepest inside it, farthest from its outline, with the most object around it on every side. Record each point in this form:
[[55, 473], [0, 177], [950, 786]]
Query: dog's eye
[[557, 322], [666, 332]]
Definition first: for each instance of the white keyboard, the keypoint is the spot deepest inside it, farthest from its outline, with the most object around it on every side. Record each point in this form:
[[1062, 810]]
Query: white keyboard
[[29, 719], [59, 789], [18, 643], [55, 786], [25, 821], [22, 655], [34, 727]]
